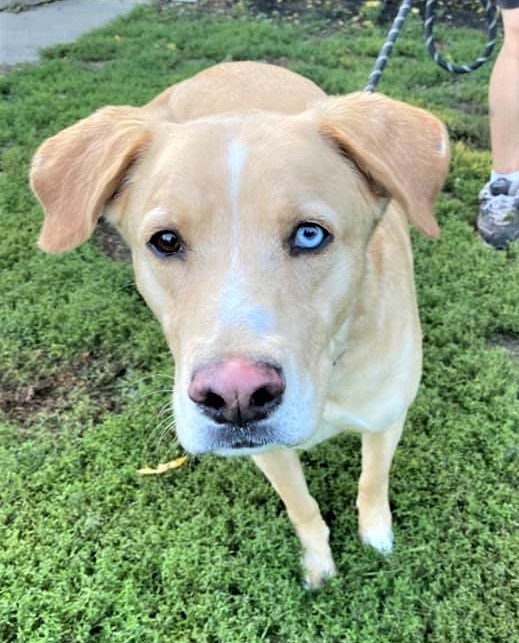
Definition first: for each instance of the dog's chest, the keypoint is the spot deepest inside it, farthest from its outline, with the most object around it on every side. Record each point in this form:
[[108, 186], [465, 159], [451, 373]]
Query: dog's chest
[[371, 397]]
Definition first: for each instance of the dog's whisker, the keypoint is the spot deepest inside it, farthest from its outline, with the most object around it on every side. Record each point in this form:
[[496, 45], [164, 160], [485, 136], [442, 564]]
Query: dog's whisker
[[140, 397], [167, 431], [146, 380], [163, 418], [154, 444], [165, 410], [149, 449]]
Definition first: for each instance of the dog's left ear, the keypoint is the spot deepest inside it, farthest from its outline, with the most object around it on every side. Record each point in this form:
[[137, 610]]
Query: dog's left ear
[[401, 150]]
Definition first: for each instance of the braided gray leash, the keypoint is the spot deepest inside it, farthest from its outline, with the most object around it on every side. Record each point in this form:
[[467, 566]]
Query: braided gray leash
[[491, 14], [386, 50]]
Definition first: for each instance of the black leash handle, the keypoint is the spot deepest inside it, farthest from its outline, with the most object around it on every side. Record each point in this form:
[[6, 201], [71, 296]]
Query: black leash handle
[[491, 14]]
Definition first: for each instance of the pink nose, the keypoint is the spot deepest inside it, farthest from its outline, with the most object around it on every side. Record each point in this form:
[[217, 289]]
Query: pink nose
[[236, 391]]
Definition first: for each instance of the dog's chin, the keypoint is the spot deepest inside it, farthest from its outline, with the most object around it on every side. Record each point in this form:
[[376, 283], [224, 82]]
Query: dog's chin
[[250, 439], [233, 440], [244, 451]]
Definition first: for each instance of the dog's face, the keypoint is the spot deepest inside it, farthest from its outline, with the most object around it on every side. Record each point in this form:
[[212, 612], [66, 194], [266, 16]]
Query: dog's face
[[250, 254], [249, 239]]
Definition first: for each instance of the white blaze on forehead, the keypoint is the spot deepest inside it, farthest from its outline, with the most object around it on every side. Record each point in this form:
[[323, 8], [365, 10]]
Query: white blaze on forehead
[[237, 308], [236, 155]]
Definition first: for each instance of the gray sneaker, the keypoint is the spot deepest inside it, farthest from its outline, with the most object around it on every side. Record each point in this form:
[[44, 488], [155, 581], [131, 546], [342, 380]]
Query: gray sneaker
[[498, 220]]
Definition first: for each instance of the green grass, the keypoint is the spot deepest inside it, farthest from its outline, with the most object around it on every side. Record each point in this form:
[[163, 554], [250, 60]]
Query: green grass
[[90, 552]]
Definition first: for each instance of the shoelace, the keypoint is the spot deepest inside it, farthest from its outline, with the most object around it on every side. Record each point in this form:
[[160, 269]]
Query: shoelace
[[500, 207]]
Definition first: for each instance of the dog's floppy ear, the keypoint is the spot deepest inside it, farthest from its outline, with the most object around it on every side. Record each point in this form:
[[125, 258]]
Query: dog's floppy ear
[[402, 150], [77, 171]]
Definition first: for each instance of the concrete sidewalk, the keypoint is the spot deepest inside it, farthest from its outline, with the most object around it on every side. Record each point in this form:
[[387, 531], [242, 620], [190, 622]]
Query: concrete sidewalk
[[23, 34]]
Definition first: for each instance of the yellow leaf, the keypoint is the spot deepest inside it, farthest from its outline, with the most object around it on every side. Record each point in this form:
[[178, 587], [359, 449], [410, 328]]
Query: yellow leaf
[[171, 46], [372, 3], [164, 467]]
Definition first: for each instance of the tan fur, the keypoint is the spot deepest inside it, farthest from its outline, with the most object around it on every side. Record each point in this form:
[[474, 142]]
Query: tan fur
[[234, 159]]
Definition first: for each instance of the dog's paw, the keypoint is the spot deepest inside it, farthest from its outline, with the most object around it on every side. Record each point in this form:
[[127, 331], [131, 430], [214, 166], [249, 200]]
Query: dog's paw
[[318, 567], [375, 526], [379, 539]]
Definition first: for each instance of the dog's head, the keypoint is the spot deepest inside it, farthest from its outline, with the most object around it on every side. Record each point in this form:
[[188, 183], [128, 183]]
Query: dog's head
[[249, 237]]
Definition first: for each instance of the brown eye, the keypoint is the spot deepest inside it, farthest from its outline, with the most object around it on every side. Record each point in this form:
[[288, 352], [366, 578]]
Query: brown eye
[[166, 243]]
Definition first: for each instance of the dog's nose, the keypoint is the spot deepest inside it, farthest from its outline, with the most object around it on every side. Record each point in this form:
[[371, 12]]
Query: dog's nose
[[237, 391]]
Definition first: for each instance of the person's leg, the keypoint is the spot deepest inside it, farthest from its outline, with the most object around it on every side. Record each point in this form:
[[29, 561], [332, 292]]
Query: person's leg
[[503, 98], [498, 221]]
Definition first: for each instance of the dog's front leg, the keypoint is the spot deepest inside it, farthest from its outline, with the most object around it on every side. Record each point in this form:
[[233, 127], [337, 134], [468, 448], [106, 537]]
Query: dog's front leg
[[373, 496], [283, 470]]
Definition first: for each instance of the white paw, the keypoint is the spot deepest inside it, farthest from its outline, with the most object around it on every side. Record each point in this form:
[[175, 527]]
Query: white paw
[[380, 539], [375, 525], [318, 566]]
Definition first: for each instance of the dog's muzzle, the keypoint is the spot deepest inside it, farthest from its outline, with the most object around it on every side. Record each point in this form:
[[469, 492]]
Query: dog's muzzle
[[238, 396]]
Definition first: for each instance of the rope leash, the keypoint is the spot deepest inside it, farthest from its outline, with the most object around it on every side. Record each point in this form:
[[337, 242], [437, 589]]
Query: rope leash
[[491, 14]]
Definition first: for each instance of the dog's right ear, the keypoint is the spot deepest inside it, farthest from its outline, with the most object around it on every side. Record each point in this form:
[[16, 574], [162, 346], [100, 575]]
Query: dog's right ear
[[75, 173]]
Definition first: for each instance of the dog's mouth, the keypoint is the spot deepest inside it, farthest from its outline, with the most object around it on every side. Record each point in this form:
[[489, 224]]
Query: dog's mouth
[[233, 439]]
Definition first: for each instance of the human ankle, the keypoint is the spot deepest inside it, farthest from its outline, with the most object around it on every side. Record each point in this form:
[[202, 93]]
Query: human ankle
[[512, 177]]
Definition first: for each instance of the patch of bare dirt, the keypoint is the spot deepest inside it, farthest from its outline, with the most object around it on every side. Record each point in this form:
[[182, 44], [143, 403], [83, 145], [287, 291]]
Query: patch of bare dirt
[[454, 13], [507, 341], [108, 240], [21, 402]]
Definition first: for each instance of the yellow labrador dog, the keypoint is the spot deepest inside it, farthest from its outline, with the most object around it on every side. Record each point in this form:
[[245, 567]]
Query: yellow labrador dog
[[268, 229]]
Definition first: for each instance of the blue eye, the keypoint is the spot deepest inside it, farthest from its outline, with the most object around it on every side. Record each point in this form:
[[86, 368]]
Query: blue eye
[[308, 237]]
